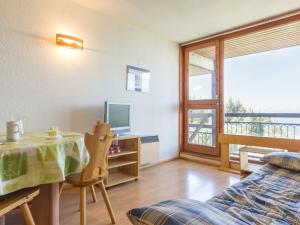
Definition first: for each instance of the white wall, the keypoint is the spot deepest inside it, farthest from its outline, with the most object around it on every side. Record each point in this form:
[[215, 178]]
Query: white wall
[[49, 85]]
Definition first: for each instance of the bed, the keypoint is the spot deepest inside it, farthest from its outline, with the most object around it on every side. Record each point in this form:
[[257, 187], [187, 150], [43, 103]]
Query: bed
[[268, 196]]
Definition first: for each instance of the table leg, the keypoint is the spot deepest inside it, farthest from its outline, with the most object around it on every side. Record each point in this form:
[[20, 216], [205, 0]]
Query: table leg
[[45, 206], [2, 220]]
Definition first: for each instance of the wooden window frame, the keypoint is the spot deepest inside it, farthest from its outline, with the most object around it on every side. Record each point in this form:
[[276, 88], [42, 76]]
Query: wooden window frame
[[201, 104], [271, 22]]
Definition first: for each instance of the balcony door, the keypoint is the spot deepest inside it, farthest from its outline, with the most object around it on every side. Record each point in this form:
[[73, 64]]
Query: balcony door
[[202, 96]]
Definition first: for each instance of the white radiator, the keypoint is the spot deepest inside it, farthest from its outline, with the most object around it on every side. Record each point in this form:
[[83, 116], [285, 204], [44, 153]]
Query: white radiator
[[149, 150]]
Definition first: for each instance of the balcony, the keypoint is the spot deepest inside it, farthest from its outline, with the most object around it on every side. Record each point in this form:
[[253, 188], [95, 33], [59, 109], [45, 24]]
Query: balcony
[[202, 131]]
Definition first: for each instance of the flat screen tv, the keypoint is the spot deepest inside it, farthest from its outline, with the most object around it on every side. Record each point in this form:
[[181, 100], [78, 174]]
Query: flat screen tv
[[118, 115]]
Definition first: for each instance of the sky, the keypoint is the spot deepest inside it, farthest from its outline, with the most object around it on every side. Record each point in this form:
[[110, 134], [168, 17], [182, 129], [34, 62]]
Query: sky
[[266, 82]]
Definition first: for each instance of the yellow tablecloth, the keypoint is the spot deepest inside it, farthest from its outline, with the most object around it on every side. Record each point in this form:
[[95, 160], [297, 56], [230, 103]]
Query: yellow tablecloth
[[36, 160]]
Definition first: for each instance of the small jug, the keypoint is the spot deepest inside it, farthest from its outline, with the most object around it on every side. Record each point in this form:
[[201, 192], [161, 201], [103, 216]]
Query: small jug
[[14, 130]]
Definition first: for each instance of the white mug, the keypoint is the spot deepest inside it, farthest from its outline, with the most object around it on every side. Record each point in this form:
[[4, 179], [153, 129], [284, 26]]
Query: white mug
[[13, 130]]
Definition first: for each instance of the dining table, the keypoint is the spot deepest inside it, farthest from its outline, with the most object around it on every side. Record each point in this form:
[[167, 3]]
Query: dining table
[[37, 160]]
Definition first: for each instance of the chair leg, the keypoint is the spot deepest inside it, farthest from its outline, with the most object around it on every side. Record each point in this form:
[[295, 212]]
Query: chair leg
[[107, 202], [27, 214], [92, 188], [83, 206], [61, 187]]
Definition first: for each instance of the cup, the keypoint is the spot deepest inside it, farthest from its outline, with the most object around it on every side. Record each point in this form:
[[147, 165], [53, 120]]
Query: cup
[[54, 131], [13, 131]]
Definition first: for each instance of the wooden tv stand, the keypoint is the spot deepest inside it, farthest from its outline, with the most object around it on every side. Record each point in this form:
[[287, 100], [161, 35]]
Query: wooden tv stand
[[124, 166]]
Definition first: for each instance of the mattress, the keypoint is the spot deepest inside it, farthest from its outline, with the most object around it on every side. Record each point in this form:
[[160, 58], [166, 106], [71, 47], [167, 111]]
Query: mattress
[[269, 196]]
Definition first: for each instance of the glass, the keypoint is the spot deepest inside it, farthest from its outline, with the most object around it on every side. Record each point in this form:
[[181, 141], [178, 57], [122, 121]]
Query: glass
[[202, 127], [202, 74], [260, 92]]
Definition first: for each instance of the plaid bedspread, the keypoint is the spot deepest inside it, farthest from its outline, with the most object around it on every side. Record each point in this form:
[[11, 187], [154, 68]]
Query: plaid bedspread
[[181, 211], [269, 196]]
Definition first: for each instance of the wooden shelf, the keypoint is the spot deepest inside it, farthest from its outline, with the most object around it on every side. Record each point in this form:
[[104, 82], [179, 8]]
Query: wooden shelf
[[126, 137], [122, 153], [259, 150], [119, 178], [247, 168], [124, 166], [119, 163]]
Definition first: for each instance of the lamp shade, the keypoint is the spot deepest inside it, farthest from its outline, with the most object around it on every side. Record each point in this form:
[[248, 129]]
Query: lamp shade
[[69, 41]]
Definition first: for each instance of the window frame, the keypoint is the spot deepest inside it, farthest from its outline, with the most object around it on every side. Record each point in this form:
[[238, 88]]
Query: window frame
[[219, 38]]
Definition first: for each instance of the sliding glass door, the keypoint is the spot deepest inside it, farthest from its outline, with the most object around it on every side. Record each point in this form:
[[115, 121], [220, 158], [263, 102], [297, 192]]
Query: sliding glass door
[[201, 102], [254, 71]]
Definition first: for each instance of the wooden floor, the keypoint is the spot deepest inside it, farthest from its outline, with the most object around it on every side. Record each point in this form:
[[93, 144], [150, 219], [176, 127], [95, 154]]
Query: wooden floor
[[175, 179]]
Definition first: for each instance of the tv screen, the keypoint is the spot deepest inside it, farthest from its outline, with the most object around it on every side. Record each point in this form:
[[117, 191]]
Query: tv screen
[[117, 114]]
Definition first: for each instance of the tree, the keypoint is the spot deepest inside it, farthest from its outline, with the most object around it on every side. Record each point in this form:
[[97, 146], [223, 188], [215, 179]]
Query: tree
[[234, 107], [250, 126]]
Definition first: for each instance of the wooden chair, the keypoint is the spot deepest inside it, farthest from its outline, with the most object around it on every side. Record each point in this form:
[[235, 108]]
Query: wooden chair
[[19, 199], [96, 171]]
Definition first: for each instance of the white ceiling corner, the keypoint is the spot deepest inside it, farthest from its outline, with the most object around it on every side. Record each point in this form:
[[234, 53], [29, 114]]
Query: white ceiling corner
[[184, 20]]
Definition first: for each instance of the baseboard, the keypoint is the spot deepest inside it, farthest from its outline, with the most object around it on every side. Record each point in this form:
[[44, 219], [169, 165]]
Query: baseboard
[[158, 163], [206, 161], [230, 170], [234, 166]]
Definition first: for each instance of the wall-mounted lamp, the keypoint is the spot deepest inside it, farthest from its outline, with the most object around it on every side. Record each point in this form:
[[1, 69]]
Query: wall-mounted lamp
[[69, 41]]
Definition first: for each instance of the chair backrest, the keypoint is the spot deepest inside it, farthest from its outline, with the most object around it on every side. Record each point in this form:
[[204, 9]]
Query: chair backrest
[[98, 146]]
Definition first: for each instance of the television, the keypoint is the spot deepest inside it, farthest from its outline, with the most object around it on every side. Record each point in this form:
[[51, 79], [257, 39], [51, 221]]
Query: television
[[118, 116]]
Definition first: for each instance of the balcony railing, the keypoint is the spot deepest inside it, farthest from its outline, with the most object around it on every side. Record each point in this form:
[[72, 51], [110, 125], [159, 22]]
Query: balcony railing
[[201, 130]]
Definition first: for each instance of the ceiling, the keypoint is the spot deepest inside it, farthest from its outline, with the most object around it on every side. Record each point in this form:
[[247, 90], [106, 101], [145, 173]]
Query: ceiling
[[278, 37], [184, 20]]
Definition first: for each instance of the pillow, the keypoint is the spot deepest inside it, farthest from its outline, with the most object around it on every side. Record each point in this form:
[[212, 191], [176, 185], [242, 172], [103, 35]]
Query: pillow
[[286, 160]]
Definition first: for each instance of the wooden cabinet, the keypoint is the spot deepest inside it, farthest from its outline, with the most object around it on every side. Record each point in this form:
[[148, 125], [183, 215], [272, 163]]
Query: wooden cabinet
[[245, 167], [124, 166]]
